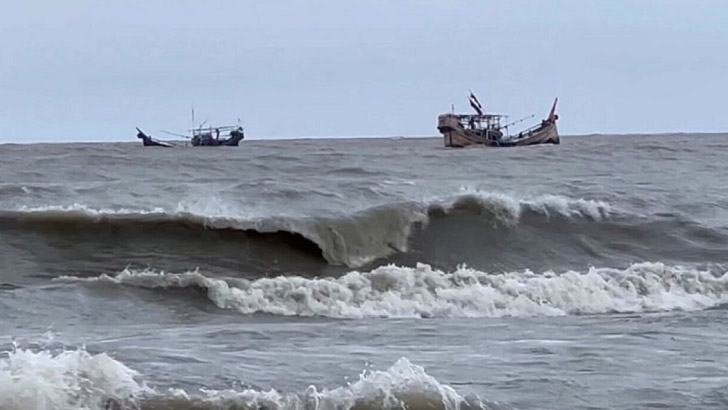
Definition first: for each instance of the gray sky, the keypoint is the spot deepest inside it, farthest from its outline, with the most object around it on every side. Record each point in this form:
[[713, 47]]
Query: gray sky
[[93, 70]]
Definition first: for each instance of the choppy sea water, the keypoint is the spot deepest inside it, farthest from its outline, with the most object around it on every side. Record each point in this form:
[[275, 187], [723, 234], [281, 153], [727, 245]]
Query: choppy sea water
[[366, 274]]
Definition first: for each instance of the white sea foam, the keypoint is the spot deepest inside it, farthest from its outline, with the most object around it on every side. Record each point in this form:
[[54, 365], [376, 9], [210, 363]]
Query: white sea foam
[[77, 380], [403, 386], [73, 379], [422, 291]]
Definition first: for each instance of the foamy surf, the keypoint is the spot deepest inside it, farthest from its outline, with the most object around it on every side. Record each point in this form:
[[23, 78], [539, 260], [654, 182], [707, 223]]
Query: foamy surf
[[78, 380], [422, 291], [402, 386], [71, 379], [352, 240]]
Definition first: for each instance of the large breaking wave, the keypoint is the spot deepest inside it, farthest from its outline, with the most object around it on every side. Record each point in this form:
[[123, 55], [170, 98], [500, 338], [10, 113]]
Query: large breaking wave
[[392, 291], [490, 232], [349, 240], [76, 379]]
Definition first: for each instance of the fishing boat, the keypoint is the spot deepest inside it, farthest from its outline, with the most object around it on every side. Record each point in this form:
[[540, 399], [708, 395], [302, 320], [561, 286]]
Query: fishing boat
[[148, 141], [481, 129], [201, 137], [210, 137]]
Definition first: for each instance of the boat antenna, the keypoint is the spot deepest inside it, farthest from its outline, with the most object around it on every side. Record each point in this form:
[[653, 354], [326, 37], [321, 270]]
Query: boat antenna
[[174, 133], [521, 120], [193, 117]]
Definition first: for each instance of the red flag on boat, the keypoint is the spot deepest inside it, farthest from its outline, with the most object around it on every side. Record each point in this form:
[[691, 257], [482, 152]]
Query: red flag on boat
[[475, 103]]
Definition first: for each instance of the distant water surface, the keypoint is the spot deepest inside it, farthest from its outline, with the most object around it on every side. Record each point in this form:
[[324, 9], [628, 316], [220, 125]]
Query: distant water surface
[[365, 274]]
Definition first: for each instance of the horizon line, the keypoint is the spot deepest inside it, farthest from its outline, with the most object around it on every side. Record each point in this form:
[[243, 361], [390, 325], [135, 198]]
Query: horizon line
[[350, 137]]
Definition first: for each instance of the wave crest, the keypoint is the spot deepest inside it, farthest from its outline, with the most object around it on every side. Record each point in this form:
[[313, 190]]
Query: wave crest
[[422, 291], [352, 240]]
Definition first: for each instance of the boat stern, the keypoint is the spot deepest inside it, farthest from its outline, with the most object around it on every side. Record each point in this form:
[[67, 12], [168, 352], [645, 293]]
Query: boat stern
[[451, 130], [447, 123]]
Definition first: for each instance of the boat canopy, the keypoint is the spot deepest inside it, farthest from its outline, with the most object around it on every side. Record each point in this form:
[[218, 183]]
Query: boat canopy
[[209, 130], [480, 121]]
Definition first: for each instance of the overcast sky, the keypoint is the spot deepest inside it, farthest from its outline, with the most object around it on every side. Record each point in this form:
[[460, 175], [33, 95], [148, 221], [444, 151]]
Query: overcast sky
[[80, 70]]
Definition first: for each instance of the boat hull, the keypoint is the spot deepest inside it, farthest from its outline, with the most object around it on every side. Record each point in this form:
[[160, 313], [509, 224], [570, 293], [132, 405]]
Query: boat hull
[[457, 136], [148, 141]]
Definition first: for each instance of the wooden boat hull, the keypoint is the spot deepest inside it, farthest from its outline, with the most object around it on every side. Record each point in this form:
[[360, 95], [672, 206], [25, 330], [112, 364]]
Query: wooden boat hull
[[457, 136]]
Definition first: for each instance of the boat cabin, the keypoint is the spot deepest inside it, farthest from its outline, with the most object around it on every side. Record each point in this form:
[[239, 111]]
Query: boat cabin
[[477, 122], [215, 132], [214, 136]]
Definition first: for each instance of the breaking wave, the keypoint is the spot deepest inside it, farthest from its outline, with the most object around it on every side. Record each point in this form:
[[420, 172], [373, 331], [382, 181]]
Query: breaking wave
[[76, 379], [351, 241], [72, 379], [393, 291], [402, 386]]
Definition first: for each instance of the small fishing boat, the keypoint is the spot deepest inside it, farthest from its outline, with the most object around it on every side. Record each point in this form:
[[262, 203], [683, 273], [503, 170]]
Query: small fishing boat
[[210, 137], [481, 129], [148, 141], [201, 137]]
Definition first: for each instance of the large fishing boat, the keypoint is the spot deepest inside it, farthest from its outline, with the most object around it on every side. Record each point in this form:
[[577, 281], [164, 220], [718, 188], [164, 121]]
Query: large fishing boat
[[463, 130]]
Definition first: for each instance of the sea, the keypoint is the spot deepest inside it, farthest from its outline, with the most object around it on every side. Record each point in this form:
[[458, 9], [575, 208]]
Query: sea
[[371, 273]]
